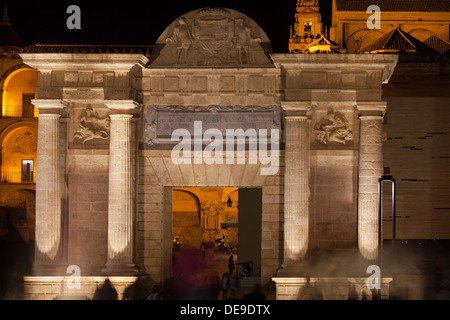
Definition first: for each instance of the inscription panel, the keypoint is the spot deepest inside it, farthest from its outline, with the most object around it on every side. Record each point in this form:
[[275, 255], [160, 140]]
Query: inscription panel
[[161, 121]]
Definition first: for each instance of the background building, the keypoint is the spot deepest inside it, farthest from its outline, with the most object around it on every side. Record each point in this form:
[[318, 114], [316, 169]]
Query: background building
[[18, 140], [416, 146]]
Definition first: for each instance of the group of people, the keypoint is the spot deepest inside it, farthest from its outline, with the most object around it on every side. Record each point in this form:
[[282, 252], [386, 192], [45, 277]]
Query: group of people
[[191, 280], [136, 291], [197, 286]]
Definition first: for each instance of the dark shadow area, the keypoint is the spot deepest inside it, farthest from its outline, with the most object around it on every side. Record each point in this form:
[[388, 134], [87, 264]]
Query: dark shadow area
[[420, 269], [14, 259]]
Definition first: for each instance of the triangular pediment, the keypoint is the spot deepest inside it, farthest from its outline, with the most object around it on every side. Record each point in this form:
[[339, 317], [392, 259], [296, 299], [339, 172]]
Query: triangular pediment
[[303, 10]]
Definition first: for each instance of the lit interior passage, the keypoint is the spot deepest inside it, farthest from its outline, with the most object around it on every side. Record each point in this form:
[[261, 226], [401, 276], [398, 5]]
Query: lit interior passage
[[210, 224], [205, 227]]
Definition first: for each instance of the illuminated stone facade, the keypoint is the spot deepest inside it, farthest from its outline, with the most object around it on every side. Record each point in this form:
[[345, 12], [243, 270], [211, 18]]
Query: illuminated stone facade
[[109, 193]]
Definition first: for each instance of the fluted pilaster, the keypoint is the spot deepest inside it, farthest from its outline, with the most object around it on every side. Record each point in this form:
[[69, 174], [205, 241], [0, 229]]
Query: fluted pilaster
[[121, 195], [370, 171], [296, 189], [49, 228]]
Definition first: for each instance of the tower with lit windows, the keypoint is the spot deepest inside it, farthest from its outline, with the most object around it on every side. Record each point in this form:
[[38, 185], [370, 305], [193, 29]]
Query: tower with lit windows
[[307, 35]]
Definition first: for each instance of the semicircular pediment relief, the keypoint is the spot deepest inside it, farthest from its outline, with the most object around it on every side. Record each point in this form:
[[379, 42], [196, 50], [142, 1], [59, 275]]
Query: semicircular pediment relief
[[212, 37]]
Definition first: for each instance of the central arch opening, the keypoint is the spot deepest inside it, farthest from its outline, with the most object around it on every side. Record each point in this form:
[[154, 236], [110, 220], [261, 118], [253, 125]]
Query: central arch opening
[[214, 229], [205, 229]]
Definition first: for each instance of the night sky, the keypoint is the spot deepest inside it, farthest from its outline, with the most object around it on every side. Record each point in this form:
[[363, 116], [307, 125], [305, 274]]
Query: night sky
[[139, 22]]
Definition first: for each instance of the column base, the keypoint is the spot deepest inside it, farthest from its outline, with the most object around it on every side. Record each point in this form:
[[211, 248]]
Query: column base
[[43, 269], [294, 268], [121, 269], [64, 288], [329, 288]]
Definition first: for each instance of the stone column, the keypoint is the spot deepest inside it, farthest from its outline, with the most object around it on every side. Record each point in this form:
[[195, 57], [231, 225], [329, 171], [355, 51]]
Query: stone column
[[296, 187], [49, 229], [370, 171], [121, 191]]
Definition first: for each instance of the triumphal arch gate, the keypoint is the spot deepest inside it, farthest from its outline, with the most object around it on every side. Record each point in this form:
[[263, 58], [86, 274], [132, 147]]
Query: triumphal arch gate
[[299, 135]]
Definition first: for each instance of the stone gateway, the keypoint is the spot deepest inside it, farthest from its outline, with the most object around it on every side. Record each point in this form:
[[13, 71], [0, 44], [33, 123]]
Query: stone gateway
[[106, 177]]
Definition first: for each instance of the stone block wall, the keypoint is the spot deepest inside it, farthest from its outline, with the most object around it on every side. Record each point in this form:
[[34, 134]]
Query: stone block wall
[[88, 208], [333, 223]]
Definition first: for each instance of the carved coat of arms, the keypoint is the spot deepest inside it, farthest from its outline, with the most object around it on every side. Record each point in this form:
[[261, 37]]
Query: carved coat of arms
[[212, 37]]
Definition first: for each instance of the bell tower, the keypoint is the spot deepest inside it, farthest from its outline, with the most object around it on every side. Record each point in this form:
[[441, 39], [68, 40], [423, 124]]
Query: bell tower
[[308, 20], [307, 35]]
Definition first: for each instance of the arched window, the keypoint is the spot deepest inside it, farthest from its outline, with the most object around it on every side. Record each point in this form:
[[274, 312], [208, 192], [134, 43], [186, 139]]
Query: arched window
[[308, 26], [18, 153], [19, 88]]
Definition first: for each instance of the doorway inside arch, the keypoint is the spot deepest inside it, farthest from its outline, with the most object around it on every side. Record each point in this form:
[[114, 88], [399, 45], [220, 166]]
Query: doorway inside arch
[[209, 225]]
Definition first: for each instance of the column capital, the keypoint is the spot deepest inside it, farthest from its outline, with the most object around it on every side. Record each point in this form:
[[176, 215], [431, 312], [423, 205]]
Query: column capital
[[121, 106], [371, 117], [49, 105], [121, 115], [296, 109], [372, 108]]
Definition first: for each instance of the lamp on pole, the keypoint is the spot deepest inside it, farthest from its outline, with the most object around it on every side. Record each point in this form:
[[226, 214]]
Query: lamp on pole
[[387, 177]]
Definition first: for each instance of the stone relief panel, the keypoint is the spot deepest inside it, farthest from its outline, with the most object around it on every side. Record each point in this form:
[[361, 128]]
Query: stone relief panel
[[90, 127], [333, 129], [212, 37]]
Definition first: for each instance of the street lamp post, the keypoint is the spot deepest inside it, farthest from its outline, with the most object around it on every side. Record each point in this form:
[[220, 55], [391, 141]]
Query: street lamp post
[[389, 178]]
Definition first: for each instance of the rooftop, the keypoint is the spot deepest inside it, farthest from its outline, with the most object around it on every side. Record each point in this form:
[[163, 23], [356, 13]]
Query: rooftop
[[395, 5], [396, 41], [88, 49]]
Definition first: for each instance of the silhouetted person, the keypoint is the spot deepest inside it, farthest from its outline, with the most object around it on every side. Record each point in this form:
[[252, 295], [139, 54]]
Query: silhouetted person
[[105, 292], [352, 294], [376, 294], [310, 292], [135, 291], [213, 286], [225, 286], [230, 266], [203, 247], [156, 293], [233, 285], [364, 296], [246, 270], [256, 294]]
